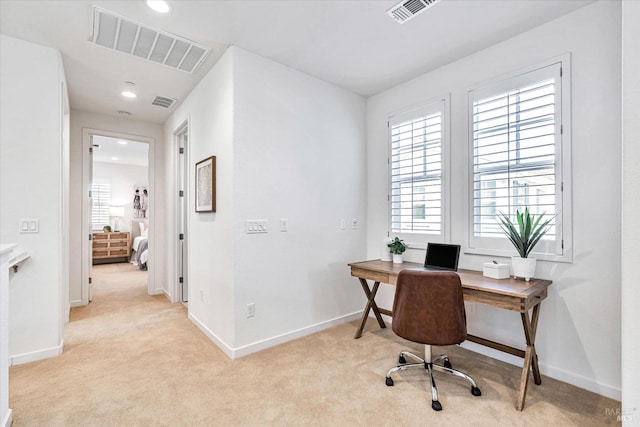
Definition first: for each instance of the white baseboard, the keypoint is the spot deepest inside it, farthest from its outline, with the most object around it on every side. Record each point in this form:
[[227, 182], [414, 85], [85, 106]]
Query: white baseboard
[[213, 337], [76, 303], [590, 384], [550, 371], [235, 353], [33, 356], [290, 336], [8, 419]]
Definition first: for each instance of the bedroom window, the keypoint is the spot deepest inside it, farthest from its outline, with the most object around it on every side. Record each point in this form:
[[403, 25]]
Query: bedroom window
[[101, 197], [416, 140], [519, 137]]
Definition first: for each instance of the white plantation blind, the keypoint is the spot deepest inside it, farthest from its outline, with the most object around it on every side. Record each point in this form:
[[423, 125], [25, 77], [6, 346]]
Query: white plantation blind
[[101, 201], [415, 163], [516, 156]]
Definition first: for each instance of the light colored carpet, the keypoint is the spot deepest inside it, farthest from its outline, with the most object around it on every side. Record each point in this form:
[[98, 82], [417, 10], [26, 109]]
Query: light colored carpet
[[135, 360]]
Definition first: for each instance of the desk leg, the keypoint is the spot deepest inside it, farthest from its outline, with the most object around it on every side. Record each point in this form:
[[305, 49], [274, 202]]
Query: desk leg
[[371, 305], [530, 357]]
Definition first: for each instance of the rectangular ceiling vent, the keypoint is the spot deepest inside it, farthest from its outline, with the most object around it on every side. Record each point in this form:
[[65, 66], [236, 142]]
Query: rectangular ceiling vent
[[124, 35], [407, 9], [162, 101]]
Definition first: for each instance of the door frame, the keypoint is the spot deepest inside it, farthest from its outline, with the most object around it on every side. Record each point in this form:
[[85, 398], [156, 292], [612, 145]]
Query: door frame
[[87, 133], [183, 128]]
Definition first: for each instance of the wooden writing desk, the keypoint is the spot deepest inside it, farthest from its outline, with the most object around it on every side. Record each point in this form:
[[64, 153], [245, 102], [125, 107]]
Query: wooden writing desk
[[509, 294]]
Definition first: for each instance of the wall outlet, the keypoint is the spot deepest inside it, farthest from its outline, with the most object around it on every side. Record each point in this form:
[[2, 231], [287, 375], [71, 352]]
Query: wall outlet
[[354, 224], [251, 310], [283, 224], [343, 224]]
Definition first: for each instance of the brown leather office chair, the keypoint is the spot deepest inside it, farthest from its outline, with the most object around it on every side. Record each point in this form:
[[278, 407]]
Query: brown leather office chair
[[429, 309]]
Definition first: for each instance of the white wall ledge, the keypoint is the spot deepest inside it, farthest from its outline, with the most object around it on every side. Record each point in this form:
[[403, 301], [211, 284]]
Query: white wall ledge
[[17, 258]]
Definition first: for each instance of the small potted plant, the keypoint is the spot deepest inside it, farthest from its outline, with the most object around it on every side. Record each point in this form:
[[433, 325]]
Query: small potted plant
[[106, 229], [525, 235], [397, 248]]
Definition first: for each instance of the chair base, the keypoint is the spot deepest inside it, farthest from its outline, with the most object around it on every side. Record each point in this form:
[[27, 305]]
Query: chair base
[[429, 364]]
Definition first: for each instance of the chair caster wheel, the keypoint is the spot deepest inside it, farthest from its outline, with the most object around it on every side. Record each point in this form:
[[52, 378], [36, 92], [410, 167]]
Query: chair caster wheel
[[436, 405], [447, 364], [402, 360], [476, 391], [389, 382]]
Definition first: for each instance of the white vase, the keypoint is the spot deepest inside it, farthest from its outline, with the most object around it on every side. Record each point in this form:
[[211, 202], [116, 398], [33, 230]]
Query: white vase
[[397, 258], [385, 255], [523, 267]]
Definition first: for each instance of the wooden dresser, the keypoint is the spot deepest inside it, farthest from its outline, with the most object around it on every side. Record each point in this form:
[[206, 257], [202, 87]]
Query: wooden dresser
[[111, 247]]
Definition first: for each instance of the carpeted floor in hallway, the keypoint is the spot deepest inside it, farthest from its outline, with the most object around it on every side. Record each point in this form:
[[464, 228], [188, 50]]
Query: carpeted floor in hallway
[[136, 360]]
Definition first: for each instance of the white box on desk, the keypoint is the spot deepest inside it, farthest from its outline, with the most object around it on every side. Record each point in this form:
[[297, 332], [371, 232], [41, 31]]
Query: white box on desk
[[495, 270]]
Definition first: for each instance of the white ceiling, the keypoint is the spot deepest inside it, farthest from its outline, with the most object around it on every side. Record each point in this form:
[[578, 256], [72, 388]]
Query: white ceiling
[[351, 43], [110, 150]]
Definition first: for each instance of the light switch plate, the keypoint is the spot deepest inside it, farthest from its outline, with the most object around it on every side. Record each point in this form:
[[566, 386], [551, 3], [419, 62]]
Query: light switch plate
[[256, 226], [29, 226]]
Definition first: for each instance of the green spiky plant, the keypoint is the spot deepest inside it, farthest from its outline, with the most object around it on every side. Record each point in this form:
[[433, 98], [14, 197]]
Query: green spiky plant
[[397, 246], [527, 232]]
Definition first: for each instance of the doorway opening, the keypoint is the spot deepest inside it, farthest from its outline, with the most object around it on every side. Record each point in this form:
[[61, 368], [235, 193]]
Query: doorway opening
[[118, 206]]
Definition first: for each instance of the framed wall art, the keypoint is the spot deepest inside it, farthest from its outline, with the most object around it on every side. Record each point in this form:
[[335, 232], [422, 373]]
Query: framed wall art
[[140, 201], [206, 185]]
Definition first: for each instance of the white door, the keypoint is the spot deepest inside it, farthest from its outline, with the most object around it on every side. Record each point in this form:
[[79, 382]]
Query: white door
[[89, 217]]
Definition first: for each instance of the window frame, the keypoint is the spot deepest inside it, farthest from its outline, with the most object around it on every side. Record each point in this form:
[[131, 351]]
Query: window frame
[[418, 239], [95, 202], [561, 249]]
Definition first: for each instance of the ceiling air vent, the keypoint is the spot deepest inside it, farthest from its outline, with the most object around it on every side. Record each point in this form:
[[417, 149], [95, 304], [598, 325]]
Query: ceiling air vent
[[162, 101], [406, 10], [124, 35]]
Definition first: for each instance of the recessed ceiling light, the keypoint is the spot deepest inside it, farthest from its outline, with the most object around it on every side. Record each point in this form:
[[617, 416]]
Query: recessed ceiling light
[[124, 113], [160, 6], [114, 158], [128, 91], [122, 142]]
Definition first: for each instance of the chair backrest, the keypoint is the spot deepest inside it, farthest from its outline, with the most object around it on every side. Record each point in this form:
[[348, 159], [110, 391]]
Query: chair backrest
[[429, 307]]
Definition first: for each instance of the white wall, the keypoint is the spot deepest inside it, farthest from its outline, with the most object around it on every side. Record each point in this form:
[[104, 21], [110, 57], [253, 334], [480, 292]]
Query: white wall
[[129, 126], [31, 186], [121, 179], [300, 155], [578, 338], [210, 236], [6, 416], [287, 146], [630, 209]]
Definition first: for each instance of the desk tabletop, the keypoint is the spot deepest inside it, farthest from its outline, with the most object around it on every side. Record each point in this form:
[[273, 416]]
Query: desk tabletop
[[470, 279]]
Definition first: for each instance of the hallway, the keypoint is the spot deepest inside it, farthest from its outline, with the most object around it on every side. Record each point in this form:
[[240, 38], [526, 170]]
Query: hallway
[[134, 359], [119, 366]]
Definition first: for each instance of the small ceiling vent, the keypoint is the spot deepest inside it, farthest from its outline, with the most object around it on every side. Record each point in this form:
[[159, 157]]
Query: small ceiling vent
[[162, 101], [124, 35], [407, 9]]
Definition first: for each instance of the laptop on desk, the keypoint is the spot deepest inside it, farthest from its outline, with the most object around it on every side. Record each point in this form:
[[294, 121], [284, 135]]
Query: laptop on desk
[[442, 257]]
